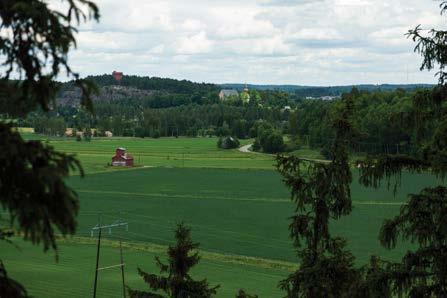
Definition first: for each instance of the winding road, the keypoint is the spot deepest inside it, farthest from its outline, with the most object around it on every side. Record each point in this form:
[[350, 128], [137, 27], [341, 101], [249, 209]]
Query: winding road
[[246, 148]]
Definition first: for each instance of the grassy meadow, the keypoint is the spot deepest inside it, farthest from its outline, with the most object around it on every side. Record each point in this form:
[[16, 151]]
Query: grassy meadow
[[163, 152], [235, 203]]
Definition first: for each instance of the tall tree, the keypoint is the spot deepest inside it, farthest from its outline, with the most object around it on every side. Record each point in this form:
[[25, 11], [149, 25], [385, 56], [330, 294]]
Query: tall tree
[[175, 280], [32, 188], [422, 272], [321, 192]]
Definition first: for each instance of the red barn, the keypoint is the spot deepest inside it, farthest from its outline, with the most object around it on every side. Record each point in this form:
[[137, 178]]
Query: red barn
[[117, 75], [121, 158]]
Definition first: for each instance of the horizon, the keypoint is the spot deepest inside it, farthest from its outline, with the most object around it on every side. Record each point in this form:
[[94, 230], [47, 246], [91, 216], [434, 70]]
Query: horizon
[[310, 43], [258, 84]]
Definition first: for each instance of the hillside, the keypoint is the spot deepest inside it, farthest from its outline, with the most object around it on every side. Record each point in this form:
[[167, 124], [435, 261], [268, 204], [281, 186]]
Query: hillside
[[135, 87]]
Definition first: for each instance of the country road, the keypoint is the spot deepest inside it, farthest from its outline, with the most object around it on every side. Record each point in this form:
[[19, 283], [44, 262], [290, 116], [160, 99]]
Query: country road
[[246, 148]]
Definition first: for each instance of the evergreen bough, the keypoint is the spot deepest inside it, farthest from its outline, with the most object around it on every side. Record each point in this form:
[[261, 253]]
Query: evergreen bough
[[175, 281], [32, 186]]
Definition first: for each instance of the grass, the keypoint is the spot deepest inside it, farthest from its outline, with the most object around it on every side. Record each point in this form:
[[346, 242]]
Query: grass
[[235, 203], [166, 152], [231, 211], [73, 275]]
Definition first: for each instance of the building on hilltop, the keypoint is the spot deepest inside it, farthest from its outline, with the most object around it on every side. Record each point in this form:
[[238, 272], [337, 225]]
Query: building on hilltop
[[122, 159], [117, 75], [225, 93]]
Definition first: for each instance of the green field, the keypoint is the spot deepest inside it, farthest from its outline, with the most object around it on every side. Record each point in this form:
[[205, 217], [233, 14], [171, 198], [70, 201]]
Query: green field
[[166, 152], [235, 203]]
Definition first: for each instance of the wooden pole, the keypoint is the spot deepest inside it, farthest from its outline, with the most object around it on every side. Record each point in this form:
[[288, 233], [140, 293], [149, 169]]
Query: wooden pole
[[97, 262], [122, 269]]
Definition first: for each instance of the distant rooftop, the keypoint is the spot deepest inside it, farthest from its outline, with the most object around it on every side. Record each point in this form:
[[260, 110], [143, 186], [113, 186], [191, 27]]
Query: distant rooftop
[[229, 92]]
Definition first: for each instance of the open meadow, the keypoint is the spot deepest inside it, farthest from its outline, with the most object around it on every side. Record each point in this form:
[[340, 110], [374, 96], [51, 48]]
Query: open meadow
[[235, 203]]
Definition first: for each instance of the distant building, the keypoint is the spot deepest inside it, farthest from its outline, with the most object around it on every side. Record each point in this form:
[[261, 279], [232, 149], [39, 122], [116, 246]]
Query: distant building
[[117, 75], [108, 134], [287, 108], [122, 159], [224, 93], [323, 97], [68, 132]]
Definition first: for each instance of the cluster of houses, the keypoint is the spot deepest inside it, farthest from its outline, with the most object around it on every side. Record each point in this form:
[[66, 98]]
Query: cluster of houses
[[70, 132]]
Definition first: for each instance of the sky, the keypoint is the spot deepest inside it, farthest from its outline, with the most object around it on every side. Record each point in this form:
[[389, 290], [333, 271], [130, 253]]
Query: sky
[[301, 42]]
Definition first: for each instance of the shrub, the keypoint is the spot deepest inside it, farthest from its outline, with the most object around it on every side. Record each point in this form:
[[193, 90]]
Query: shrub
[[228, 143], [292, 145], [272, 142], [155, 134], [256, 146]]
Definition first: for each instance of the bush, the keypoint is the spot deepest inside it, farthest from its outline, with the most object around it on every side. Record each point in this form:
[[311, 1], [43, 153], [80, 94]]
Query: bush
[[271, 141], [326, 152], [140, 132], [155, 134], [256, 146], [228, 143], [128, 132], [292, 145]]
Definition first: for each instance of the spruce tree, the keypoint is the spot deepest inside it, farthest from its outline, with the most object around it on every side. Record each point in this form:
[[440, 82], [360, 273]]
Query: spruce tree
[[175, 281], [321, 193], [34, 52], [422, 272]]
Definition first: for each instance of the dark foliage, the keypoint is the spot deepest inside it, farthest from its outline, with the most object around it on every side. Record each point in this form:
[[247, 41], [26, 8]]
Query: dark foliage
[[384, 117], [8, 286], [227, 143], [422, 272], [32, 187], [175, 280], [243, 294], [321, 192]]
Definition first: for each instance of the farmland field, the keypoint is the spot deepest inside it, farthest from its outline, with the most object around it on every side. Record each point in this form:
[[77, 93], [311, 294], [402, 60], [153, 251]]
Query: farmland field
[[166, 152], [235, 203]]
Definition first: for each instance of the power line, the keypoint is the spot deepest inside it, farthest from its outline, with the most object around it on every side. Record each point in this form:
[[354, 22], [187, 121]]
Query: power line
[[99, 227]]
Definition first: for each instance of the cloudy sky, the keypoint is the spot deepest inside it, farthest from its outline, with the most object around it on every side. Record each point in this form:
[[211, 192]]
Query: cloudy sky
[[305, 42]]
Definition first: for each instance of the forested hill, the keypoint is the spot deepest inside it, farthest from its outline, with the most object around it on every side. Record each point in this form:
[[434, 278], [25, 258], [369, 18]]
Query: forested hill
[[161, 92], [319, 91], [153, 84]]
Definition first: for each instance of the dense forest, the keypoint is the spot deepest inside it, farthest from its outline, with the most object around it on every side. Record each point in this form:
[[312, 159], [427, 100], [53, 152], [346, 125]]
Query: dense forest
[[155, 107], [166, 108], [320, 91], [380, 116]]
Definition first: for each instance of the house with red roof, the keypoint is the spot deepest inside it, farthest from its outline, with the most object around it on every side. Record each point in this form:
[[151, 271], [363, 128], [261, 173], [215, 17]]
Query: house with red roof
[[122, 159]]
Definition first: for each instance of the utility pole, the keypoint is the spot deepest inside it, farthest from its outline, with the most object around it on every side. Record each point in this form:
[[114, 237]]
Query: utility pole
[[99, 228]]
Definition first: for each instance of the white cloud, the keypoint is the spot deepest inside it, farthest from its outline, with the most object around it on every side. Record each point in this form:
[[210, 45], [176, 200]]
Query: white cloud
[[312, 42], [194, 44]]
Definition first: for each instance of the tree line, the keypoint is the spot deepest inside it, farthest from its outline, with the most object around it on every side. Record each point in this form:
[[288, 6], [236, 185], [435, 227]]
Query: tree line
[[383, 117]]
